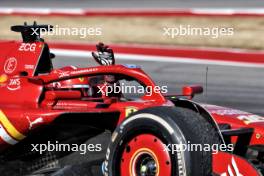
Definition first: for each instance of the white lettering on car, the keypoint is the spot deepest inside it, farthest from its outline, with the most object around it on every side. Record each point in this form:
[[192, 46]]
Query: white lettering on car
[[14, 84], [248, 119], [27, 47]]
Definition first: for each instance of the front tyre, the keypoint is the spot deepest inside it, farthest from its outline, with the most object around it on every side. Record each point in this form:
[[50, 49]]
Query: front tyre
[[142, 144]]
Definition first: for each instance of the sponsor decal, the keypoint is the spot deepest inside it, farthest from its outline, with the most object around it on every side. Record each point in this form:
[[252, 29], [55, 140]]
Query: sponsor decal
[[68, 73], [34, 122], [232, 170], [70, 105], [228, 112], [63, 74], [31, 67], [129, 110], [8, 132], [14, 84], [10, 65], [3, 78], [248, 119], [76, 72], [27, 47]]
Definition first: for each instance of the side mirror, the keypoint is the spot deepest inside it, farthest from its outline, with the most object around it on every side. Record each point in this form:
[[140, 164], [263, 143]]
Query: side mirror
[[192, 90], [52, 55]]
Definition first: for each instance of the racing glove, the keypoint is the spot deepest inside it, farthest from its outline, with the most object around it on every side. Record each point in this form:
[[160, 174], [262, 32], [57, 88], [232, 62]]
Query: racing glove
[[104, 55]]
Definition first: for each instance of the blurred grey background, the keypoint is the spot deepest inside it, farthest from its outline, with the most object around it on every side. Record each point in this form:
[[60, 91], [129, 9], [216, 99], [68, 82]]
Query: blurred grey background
[[134, 3]]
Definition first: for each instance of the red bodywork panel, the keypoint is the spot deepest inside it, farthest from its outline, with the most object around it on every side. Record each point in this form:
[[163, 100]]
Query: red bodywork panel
[[239, 119], [26, 104], [233, 165], [17, 57]]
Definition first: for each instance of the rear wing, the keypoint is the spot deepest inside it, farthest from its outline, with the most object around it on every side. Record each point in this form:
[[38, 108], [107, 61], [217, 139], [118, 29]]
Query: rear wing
[[28, 58]]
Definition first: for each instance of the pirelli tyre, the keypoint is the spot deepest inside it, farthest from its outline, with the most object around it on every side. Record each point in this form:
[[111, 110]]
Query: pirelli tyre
[[146, 144]]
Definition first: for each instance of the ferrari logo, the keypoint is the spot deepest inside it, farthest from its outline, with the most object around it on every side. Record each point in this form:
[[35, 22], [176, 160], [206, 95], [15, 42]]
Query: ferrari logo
[[81, 79], [130, 110]]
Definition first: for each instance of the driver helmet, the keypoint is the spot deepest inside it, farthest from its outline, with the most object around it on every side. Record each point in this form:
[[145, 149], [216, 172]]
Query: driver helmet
[[81, 83]]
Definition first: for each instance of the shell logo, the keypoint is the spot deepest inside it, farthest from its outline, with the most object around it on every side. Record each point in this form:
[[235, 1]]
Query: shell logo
[[3, 78]]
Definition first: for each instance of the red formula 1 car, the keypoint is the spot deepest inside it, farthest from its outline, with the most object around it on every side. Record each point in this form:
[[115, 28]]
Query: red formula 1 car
[[152, 134]]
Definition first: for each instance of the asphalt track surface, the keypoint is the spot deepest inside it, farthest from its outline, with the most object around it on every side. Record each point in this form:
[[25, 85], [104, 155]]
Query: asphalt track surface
[[134, 3]]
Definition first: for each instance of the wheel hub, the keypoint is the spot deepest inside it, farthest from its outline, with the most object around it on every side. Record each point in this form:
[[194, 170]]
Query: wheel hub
[[146, 166], [144, 155]]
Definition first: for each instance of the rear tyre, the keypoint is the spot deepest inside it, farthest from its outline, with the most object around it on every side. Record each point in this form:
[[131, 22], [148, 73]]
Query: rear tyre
[[142, 144]]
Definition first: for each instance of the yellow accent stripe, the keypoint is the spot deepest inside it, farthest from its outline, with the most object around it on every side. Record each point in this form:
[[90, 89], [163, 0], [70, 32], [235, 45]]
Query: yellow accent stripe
[[10, 128]]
